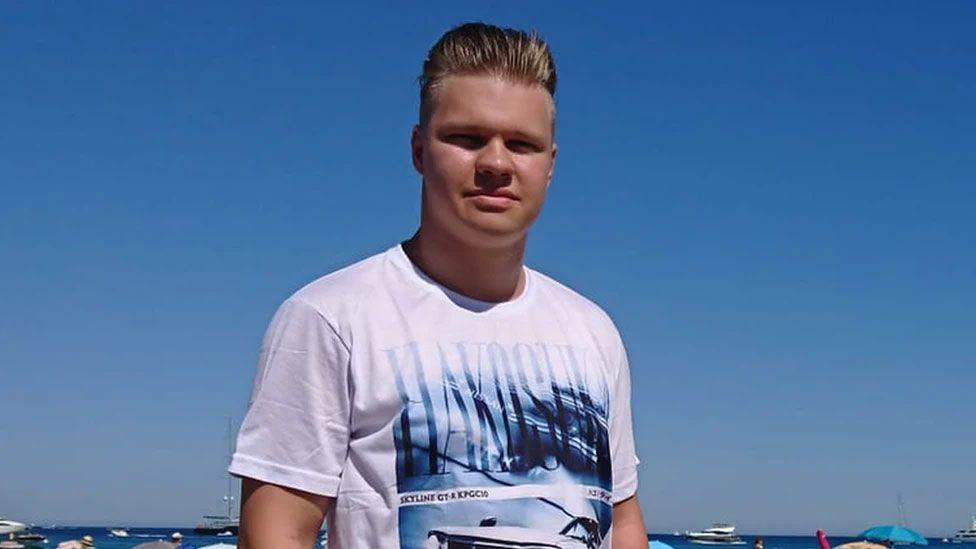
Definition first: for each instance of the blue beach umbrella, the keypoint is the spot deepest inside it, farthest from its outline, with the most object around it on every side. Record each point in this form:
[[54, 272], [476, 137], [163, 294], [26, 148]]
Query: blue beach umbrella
[[893, 534], [655, 544]]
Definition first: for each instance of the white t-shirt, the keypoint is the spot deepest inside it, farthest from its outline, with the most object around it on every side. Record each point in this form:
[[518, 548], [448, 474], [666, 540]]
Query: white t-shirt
[[433, 418]]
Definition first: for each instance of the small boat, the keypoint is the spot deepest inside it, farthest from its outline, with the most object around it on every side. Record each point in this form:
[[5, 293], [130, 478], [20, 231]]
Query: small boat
[[11, 526], [966, 535], [222, 525], [719, 534], [118, 532], [217, 525]]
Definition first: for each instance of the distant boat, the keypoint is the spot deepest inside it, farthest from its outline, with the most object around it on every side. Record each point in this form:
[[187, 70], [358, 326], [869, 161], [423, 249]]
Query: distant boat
[[718, 534], [966, 535], [31, 537], [218, 525], [222, 525], [11, 526], [118, 532]]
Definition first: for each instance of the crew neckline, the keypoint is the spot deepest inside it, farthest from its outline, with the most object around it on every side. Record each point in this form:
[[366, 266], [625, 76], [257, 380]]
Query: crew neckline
[[466, 303]]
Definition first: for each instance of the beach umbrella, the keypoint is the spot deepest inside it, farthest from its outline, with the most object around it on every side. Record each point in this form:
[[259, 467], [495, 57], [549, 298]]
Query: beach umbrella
[[655, 544], [893, 534]]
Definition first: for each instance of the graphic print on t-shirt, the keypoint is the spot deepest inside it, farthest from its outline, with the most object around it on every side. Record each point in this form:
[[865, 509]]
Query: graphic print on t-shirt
[[501, 445]]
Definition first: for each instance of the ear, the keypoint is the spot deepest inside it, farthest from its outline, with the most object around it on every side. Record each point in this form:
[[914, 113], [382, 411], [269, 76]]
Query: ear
[[417, 149], [552, 165]]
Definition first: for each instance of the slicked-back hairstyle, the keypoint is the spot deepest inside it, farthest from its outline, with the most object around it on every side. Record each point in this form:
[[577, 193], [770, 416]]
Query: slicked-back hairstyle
[[479, 48]]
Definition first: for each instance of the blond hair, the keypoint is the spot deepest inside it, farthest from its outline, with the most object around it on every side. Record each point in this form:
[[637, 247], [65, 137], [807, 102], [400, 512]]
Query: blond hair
[[480, 48]]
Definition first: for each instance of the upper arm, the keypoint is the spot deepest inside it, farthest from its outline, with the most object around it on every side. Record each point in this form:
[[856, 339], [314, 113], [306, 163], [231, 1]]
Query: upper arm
[[277, 517], [628, 529], [622, 452], [294, 439], [297, 427]]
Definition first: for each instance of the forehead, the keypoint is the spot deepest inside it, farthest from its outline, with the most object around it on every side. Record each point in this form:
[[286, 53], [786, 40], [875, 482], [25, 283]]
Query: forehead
[[491, 101]]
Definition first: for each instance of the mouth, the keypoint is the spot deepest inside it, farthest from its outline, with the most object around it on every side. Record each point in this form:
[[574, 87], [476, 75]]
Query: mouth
[[492, 193], [493, 200]]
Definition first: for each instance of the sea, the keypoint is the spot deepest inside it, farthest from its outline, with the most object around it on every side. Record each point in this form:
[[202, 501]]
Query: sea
[[100, 534], [142, 535]]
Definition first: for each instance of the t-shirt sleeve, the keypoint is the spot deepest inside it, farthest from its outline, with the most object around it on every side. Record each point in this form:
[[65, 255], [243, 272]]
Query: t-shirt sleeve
[[622, 452], [296, 430]]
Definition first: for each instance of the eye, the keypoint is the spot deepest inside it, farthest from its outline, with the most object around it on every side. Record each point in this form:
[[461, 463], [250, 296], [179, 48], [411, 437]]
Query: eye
[[466, 140], [522, 146]]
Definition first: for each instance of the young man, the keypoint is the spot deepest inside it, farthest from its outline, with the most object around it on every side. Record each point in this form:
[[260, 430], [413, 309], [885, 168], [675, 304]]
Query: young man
[[440, 394]]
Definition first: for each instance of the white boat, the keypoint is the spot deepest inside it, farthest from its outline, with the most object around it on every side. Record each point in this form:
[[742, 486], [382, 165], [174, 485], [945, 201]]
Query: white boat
[[118, 533], [223, 525], [718, 534], [218, 525], [11, 526], [29, 537], [966, 535]]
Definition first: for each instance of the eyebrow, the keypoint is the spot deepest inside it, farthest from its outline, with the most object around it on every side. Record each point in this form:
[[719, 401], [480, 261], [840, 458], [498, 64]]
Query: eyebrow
[[475, 128]]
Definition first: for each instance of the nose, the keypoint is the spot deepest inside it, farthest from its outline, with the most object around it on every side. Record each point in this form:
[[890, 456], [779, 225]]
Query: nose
[[495, 160]]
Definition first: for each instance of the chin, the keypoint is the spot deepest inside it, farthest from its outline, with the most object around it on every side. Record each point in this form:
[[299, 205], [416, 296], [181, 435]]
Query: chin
[[478, 228], [497, 231]]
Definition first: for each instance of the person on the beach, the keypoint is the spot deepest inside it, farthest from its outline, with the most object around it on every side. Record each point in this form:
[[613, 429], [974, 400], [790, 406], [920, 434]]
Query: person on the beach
[[177, 540], [440, 393], [85, 542], [757, 543]]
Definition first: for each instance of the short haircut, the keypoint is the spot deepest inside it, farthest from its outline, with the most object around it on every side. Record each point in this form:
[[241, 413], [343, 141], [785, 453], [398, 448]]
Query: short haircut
[[480, 48]]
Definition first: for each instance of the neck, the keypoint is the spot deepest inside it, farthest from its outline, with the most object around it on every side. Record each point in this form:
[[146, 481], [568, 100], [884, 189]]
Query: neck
[[486, 273]]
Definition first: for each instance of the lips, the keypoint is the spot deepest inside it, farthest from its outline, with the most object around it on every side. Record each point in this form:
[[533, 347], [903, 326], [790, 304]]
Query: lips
[[493, 193], [495, 200]]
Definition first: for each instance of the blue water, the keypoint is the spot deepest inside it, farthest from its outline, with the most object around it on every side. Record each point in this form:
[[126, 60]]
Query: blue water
[[781, 542], [136, 536], [142, 535]]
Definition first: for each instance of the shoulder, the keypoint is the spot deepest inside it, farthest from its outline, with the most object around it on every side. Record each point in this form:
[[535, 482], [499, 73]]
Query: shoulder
[[335, 298], [573, 307], [571, 302], [332, 294]]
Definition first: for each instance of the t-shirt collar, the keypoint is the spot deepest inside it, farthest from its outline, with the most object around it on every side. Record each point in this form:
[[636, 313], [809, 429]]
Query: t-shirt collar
[[470, 304]]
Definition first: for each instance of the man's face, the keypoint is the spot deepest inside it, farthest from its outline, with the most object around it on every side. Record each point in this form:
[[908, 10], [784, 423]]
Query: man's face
[[486, 156]]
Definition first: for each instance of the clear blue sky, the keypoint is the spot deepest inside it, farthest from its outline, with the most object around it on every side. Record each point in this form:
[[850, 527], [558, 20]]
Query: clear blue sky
[[775, 201]]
